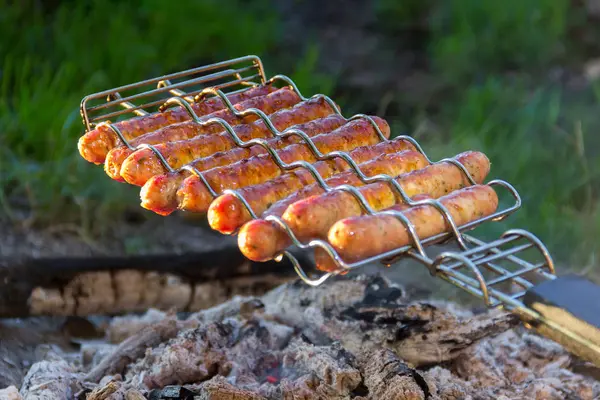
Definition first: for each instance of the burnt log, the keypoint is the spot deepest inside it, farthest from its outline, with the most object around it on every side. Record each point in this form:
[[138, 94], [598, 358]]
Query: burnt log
[[134, 347], [388, 377], [116, 285], [365, 313]]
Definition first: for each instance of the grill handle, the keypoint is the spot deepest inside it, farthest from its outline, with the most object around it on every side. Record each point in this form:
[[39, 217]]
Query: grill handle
[[570, 310]]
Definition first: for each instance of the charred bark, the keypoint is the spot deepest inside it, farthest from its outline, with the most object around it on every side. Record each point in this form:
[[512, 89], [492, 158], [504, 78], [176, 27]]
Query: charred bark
[[364, 314], [388, 377], [134, 347], [114, 285]]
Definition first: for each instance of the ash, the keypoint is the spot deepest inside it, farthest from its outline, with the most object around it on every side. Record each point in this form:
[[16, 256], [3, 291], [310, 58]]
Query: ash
[[352, 338]]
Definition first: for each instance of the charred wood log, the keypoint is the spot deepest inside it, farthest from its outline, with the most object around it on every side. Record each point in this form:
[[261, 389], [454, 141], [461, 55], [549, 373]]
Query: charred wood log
[[366, 313], [114, 285], [388, 377], [134, 348]]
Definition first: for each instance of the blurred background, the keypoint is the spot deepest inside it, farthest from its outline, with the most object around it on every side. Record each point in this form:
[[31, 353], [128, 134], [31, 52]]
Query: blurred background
[[517, 79]]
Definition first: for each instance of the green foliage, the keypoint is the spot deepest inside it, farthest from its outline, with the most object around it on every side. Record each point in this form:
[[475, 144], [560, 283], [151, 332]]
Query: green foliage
[[470, 38], [540, 143], [491, 58], [77, 48], [473, 37], [397, 15], [307, 76]]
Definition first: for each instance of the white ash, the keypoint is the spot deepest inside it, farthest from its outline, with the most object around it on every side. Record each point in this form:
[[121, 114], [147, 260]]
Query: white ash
[[53, 378], [243, 306], [10, 393], [135, 346], [93, 353], [331, 364], [357, 338], [388, 377], [121, 328], [515, 363]]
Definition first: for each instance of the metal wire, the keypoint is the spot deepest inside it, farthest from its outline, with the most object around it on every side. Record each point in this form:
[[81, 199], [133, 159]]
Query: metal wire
[[246, 71], [464, 269]]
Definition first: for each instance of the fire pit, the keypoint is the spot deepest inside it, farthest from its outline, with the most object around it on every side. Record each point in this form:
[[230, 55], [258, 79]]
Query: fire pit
[[357, 337]]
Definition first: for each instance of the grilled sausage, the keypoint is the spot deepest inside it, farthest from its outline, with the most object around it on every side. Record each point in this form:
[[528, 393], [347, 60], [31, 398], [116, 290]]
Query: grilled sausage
[[261, 240], [194, 196], [95, 144], [180, 133], [159, 193], [357, 238], [359, 155], [227, 213], [259, 234]]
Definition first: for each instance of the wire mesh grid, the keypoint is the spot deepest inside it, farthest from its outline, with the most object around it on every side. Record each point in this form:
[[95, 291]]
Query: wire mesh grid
[[228, 76], [492, 271]]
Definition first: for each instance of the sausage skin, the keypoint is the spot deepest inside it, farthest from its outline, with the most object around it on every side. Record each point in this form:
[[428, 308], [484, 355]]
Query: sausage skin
[[312, 217], [357, 238], [159, 193], [194, 196], [181, 136], [95, 144], [227, 213], [359, 155]]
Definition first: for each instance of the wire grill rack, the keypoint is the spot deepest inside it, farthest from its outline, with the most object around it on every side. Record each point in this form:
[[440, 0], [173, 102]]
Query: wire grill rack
[[496, 272]]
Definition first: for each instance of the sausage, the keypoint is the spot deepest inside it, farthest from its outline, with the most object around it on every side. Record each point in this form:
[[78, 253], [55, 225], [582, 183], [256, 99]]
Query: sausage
[[180, 133], [159, 193], [227, 213], [312, 217], [143, 164], [259, 234], [95, 144], [357, 238], [194, 196], [359, 155], [435, 180], [281, 99]]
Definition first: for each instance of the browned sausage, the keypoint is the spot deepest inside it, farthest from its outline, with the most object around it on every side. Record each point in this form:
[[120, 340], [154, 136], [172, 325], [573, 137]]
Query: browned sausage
[[194, 196], [227, 213], [357, 238], [359, 155], [181, 134], [260, 240], [95, 144], [159, 193]]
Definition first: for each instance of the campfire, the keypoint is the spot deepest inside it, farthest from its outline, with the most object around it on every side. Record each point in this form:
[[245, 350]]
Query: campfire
[[355, 338]]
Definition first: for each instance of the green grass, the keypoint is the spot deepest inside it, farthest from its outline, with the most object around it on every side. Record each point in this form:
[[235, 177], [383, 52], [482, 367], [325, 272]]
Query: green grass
[[478, 37], [541, 143], [77, 48], [490, 62]]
